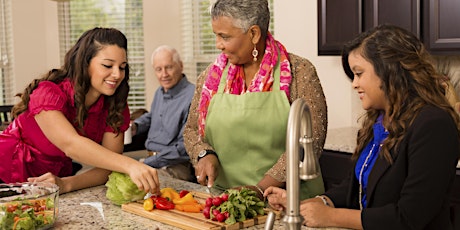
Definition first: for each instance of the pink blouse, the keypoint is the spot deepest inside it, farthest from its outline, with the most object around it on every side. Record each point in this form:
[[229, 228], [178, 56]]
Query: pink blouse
[[24, 149]]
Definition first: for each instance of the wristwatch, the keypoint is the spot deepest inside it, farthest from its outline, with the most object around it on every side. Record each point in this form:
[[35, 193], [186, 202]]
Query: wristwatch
[[203, 153]]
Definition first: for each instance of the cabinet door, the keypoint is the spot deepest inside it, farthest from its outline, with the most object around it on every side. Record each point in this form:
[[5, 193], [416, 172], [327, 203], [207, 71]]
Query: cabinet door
[[402, 13], [335, 167], [442, 27], [339, 21]]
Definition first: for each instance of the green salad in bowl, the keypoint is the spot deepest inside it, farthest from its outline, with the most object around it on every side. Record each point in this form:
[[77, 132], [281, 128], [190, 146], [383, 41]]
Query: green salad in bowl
[[25, 206]]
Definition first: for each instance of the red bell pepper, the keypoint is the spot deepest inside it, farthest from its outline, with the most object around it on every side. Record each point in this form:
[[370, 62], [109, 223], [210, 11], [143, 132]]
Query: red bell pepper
[[163, 203], [183, 193]]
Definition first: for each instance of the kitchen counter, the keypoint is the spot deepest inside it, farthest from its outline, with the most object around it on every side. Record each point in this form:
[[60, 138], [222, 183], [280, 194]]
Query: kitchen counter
[[341, 139], [344, 140], [79, 210]]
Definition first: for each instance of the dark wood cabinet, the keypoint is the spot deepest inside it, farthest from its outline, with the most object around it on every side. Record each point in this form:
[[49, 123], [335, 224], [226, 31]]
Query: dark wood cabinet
[[338, 22], [404, 13], [335, 166], [441, 26], [433, 21]]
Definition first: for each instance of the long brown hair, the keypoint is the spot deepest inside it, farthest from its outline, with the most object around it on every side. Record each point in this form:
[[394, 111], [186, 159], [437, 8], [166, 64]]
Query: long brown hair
[[75, 68], [409, 81]]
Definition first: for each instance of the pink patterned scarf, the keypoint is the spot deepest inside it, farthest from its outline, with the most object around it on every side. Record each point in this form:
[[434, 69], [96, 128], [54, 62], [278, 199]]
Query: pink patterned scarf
[[262, 82]]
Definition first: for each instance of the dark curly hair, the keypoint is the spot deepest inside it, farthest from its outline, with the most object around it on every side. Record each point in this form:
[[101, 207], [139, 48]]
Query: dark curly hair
[[75, 68], [409, 81]]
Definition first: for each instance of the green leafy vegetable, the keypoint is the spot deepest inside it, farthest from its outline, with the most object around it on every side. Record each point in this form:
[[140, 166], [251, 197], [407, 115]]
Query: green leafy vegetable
[[121, 189], [27, 214], [241, 205]]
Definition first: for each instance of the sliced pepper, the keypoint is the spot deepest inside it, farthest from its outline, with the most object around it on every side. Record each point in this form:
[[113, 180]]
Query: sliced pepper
[[189, 207], [163, 203], [169, 193], [187, 199], [148, 204], [182, 193]]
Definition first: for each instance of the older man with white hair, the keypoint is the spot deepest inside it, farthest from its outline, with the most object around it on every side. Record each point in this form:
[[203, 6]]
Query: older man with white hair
[[167, 116]]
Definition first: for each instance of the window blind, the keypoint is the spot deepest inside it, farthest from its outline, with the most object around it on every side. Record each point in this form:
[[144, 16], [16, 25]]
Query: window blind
[[6, 54], [198, 40], [77, 16]]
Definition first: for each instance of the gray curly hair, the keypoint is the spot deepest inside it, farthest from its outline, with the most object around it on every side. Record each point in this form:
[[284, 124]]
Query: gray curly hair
[[245, 13]]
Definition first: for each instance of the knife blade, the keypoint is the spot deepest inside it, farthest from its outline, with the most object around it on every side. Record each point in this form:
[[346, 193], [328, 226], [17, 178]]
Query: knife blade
[[208, 189], [148, 195]]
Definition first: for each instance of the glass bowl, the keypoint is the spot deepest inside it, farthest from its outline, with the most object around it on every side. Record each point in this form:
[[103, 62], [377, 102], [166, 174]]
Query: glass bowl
[[28, 205]]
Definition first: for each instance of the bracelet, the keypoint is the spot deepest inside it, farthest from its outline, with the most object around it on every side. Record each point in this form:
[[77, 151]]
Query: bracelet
[[323, 199], [260, 190]]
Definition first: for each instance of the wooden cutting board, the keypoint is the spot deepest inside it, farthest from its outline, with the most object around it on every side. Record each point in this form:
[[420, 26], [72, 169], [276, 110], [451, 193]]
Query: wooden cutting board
[[187, 220]]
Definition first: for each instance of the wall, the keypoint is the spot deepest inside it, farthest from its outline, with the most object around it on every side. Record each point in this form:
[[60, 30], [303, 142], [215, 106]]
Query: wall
[[36, 48], [296, 26], [35, 40], [162, 26]]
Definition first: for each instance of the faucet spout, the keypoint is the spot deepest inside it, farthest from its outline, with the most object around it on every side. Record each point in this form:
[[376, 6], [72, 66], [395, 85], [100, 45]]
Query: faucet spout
[[299, 134]]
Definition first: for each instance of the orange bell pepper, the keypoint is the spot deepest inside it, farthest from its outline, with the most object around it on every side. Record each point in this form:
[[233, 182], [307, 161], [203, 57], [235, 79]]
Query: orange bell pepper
[[196, 207]]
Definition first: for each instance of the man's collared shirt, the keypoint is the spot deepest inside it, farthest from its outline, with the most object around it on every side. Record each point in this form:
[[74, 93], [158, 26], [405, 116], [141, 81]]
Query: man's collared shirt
[[165, 124]]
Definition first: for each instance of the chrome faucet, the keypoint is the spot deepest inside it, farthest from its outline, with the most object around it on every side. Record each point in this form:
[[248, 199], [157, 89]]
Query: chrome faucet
[[299, 134]]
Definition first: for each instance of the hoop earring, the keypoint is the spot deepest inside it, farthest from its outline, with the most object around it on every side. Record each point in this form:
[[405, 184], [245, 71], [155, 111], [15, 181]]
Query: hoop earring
[[255, 52]]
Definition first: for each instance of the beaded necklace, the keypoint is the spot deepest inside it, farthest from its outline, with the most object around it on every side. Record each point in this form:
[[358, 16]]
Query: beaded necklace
[[368, 158], [360, 179]]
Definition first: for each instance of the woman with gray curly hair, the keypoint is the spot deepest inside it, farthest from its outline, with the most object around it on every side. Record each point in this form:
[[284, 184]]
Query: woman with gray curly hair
[[236, 129]]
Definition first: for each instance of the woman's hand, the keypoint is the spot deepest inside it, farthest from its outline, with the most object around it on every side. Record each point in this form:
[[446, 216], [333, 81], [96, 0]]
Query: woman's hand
[[145, 177], [50, 178], [276, 197], [314, 212], [206, 170]]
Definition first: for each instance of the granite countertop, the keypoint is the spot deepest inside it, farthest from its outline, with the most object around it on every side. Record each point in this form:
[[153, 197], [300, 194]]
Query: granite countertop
[[90, 209], [344, 140], [341, 139]]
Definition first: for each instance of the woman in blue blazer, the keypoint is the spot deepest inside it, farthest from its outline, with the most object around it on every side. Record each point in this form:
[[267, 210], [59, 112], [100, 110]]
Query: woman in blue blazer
[[408, 146]]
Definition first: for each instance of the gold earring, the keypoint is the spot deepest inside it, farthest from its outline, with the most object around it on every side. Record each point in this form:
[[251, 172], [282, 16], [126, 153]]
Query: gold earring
[[255, 52]]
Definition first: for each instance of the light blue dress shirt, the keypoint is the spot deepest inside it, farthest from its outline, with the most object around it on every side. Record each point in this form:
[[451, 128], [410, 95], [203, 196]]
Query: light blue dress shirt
[[165, 124]]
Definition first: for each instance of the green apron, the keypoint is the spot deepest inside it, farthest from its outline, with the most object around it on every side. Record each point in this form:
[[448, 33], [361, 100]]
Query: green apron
[[248, 133]]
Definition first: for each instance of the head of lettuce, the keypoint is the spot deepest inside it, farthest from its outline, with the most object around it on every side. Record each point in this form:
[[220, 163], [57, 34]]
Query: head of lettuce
[[121, 189]]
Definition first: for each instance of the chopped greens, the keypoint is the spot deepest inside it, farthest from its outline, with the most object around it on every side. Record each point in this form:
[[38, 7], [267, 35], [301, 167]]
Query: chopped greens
[[27, 214], [234, 206]]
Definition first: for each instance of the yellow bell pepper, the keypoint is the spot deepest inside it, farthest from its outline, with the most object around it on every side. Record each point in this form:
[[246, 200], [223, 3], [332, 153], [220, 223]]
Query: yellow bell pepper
[[169, 193], [187, 199], [148, 204]]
